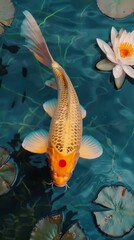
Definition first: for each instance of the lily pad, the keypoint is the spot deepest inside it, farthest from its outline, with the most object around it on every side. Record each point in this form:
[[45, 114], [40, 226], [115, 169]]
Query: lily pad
[[4, 155], [74, 232], [118, 218], [116, 8], [49, 228], [7, 11], [8, 174]]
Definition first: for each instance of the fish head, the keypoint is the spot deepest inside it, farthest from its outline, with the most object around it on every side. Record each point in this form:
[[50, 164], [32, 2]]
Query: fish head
[[61, 166]]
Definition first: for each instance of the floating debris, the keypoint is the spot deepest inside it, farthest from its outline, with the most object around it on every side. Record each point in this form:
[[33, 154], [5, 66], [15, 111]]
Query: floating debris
[[118, 218], [7, 11], [116, 8], [49, 228]]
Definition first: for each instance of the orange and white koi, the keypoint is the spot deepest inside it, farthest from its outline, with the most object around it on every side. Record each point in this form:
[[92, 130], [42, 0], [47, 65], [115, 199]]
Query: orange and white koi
[[64, 143]]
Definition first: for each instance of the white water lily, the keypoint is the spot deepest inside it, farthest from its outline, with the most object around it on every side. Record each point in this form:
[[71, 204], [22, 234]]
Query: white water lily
[[119, 57]]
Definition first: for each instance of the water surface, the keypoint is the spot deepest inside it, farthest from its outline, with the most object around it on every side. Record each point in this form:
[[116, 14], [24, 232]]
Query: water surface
[[70, 28]]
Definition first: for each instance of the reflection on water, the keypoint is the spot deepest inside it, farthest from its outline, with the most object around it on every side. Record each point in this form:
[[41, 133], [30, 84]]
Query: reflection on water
[[70, 30]]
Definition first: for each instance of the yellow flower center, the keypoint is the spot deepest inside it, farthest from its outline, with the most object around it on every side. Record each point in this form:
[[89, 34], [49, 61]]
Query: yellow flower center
[[126, 50]]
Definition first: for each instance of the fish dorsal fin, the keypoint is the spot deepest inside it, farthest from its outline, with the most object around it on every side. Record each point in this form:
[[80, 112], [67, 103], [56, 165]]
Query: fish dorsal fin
[[83, 111], [90, 148], [36, 141], [49, 106], [51, 83]]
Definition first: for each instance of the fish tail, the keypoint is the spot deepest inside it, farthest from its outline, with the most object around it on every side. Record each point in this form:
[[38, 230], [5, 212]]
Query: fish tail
[[35, 41]]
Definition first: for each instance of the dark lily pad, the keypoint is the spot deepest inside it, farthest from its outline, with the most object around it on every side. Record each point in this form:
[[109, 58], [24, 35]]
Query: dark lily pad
[[74, 233], [6, 14], [49, 228], [118, 218], [4, 155], [8, 174]]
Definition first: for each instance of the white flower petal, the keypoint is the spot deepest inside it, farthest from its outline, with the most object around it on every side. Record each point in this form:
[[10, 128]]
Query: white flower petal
[[127, 38], [101, 44], [117, 71], [119, 81], [127, 61], [105, 65], [104, 46], [123, 36], [121, 31], [112, 58], [131, 38], [128, 70], [106, 49], [130, 61], [116, 45], [114, 33]]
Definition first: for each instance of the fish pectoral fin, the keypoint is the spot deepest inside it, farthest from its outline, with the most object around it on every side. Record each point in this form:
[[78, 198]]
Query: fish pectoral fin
[[83, 111], [50, 106], [51, 83], [36, 141], [90, 148]]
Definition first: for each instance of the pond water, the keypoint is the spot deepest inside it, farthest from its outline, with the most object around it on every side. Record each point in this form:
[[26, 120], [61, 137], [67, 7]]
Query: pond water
[[70, 28]]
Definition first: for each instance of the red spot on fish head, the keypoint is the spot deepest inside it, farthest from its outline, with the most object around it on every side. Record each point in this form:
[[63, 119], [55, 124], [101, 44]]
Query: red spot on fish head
[[62, 163]]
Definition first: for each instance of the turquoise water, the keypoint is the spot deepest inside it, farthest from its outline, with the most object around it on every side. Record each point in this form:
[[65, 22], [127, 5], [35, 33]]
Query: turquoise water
[[70, 29]]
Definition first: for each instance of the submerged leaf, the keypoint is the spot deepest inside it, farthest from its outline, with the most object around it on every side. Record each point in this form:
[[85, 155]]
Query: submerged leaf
[[118, 218], [116, 8], [12, 48], [8, 174], [3, 68], [4, 155], [6, 14], [49, 228]]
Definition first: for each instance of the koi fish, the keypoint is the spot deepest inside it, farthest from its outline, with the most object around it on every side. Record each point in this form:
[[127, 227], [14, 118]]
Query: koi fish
[[64, 143]]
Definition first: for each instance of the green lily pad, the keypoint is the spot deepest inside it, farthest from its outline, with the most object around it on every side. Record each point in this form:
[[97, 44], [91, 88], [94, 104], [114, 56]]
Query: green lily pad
[[118, 218], [4, 155], [49, 228], [7, 11], [8, 175], [116, 8]]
